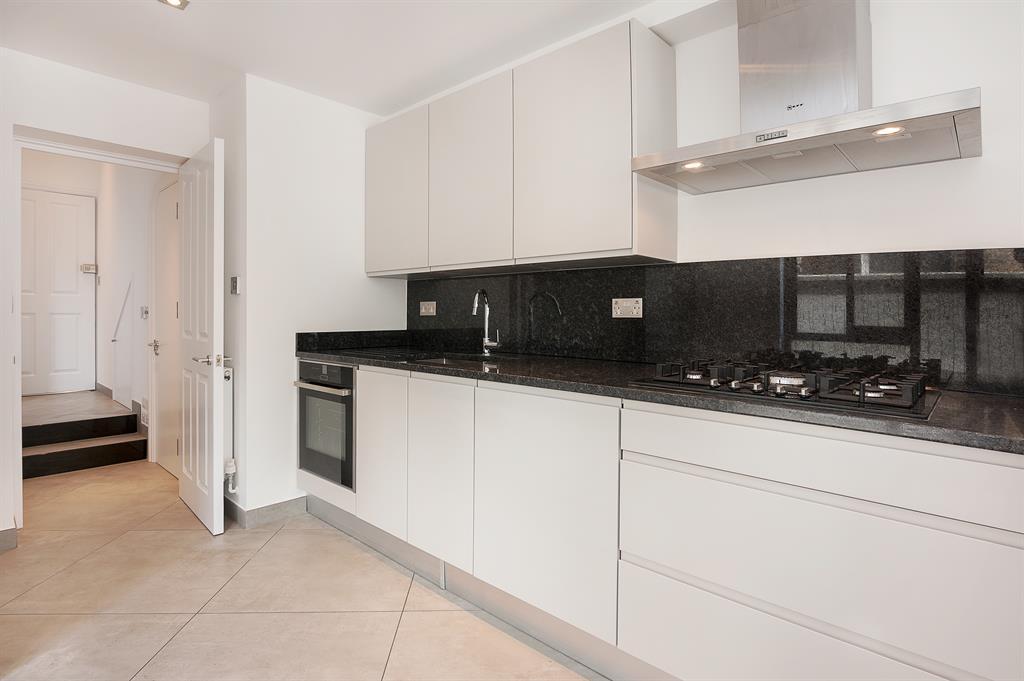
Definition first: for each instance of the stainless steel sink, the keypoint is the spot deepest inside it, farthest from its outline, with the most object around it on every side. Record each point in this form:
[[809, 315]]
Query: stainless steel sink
[[481, 363]]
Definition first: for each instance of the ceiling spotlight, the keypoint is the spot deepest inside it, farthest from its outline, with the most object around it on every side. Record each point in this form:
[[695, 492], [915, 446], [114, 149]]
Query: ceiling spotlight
[[890, 130], [693, 165], [177, 4]]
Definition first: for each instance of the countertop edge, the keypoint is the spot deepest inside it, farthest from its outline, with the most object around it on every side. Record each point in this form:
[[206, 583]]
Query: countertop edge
[[907, 428]]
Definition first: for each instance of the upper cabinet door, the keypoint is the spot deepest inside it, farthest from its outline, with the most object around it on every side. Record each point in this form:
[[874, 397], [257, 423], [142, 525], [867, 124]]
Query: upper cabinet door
[[573, 148], [396, 194], [471, 174]]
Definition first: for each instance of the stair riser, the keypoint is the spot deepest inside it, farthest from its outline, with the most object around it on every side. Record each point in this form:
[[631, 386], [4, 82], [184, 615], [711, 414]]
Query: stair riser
[[38, 465], [69, 431]]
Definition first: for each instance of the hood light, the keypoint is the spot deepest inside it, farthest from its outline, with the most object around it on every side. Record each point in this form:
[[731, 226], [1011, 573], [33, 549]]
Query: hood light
[[890, 130], [176, 4], [693, 165]]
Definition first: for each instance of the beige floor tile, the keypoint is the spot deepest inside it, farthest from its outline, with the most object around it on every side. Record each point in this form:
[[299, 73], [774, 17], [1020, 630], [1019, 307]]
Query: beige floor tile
[[81, 647], [425, 595], [306, 522], [177, 516], [156, 571], [278, 646], [314, 571], [99, 506], [466, 646], [41, 554]]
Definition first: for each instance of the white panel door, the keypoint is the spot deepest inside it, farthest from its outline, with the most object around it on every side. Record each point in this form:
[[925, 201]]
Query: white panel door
[[58, 300], [547, 502], [382, 440], [201, 483], [441, 467], [165, 417]]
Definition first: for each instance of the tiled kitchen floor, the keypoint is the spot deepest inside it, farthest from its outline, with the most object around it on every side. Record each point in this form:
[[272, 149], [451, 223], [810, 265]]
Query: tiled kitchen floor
[[114, 578]]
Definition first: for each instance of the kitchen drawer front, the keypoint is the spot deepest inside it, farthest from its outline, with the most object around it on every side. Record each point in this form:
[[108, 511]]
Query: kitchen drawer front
[[694, 634], [940, 595], [982, 493]]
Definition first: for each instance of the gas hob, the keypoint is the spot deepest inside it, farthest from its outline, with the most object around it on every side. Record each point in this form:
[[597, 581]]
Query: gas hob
[[859, 385]]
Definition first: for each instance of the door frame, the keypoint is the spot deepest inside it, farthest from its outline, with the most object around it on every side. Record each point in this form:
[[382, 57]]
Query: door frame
[[154, 311], [52, 142]]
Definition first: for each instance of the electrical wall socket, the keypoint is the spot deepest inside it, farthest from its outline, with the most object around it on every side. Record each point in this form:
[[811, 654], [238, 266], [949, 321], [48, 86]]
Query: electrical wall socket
[[627, 308], [428, 308]]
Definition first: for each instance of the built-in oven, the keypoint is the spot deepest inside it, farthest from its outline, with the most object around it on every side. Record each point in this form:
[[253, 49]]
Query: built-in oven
[[326, 421]]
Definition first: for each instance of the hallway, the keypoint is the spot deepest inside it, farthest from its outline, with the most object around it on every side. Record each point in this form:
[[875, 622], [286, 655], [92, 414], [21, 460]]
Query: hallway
[[114, 578]]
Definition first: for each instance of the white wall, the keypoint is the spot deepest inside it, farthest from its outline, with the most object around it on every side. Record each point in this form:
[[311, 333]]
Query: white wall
[[43, 94], [918, 49], [227, 121], [125, 204], [304, 265]]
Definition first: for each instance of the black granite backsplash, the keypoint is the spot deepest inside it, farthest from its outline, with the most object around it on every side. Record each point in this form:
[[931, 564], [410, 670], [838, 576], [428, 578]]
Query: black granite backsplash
[[965, 308]]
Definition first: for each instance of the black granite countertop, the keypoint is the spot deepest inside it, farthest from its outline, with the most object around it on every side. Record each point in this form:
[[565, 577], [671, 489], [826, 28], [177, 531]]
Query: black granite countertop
[[991, 422]]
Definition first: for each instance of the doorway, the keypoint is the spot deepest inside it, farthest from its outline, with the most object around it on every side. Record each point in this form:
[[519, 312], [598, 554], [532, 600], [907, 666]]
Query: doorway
[[89, 231]]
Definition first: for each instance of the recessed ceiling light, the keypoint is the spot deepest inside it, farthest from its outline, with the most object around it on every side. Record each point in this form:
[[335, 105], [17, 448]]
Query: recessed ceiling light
[[693, 165], [177, 4], [890, 130]]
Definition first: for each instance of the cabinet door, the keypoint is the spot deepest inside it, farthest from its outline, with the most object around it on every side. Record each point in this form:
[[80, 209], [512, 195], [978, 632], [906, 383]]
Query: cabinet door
[[396, 193], [573, 148], [382, 422], [441, 468], [471, 174], [546, 528]]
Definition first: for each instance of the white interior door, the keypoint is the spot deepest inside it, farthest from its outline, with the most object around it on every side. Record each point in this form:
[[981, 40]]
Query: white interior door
[[58, 299], [165, 417], [201, 483]]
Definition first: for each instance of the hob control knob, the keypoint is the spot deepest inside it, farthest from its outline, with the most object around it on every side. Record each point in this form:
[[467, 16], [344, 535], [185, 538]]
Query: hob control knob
[[806, 392], [735, 385], [757, 386], [780, 390], [714, 383]]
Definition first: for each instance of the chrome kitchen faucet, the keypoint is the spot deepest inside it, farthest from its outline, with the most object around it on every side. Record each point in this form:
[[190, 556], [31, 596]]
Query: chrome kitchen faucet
[[488, 343]]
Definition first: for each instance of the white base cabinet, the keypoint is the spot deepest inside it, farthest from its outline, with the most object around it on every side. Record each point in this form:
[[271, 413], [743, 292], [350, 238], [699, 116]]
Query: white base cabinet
[[382, 435], [441, 413], [547, 503], [694, 634]]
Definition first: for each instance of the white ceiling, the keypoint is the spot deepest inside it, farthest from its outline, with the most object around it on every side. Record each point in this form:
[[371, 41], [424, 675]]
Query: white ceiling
[[377, 56]]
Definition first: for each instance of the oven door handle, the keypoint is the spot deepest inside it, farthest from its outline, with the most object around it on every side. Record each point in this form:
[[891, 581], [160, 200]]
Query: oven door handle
[[343, 392]]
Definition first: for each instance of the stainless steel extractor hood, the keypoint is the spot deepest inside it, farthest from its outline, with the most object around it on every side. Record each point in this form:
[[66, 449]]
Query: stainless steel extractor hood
[[805, 97]]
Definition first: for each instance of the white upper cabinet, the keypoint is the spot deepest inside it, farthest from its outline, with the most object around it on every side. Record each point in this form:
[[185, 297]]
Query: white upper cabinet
[[581, 114], [530, 166], [471, 175], [396, 194]]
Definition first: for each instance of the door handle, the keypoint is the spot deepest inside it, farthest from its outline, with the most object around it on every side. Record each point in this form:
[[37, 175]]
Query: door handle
[[155, 345], [202, 360]]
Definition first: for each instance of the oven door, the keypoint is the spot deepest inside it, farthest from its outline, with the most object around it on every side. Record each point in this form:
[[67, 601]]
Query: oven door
[[325, 432]]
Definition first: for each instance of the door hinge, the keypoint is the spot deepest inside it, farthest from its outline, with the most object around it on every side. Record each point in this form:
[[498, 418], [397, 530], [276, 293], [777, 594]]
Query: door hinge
[[176, 204], [176, 309], [177, 447]]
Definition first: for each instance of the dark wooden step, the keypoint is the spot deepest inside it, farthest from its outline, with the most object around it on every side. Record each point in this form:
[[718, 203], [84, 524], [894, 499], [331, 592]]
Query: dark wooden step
[[69, 431], [76, 456]]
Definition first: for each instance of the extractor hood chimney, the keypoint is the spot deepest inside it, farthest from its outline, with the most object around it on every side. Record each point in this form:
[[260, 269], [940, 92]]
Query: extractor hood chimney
[[805, 107]]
